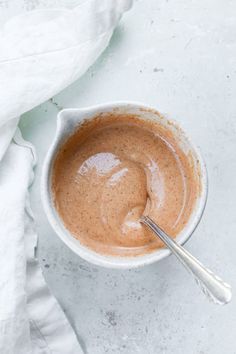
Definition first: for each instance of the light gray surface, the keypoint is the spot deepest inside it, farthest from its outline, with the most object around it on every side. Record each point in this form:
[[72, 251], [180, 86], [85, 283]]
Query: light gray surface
[[179, 57]]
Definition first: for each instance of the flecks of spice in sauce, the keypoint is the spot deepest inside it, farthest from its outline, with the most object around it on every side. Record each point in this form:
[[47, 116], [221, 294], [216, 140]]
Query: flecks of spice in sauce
[[114, 169]]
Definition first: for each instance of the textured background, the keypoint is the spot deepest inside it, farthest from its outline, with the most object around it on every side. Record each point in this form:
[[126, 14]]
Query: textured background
[[179, 56]]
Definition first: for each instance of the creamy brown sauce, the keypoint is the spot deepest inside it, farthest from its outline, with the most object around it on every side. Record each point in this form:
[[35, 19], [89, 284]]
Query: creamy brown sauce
[[110, 172]]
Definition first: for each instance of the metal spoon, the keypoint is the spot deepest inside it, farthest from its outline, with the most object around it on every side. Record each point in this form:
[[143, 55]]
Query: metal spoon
[[211, 285]]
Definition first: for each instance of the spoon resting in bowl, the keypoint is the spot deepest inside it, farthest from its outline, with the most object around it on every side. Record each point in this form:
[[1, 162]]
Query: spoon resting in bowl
[[211, 285]]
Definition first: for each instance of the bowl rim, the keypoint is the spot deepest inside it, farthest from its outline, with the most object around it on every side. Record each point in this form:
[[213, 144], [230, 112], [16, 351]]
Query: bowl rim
[[74, 244]]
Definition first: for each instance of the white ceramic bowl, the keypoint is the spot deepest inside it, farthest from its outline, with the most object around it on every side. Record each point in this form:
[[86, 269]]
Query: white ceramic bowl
[[71, 119]]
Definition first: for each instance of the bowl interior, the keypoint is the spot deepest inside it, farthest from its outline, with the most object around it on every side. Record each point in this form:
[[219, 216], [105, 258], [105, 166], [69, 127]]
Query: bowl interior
[[71, 119]]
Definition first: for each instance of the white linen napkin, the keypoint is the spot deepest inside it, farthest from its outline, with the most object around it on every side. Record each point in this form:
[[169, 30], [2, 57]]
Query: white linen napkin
[[42, 52]]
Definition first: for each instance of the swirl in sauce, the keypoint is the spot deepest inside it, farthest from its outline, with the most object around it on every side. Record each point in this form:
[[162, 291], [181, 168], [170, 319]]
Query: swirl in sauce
[[114, 169]]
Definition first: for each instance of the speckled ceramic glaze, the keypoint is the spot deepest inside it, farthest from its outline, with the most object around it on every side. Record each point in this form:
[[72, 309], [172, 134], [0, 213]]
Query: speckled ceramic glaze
[[71, 119]]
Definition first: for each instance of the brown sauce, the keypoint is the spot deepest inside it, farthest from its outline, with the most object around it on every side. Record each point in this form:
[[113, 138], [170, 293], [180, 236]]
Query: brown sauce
[[110, 172]]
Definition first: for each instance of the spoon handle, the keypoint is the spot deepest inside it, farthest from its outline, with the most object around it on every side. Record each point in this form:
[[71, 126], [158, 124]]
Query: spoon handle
[[211, 285]]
